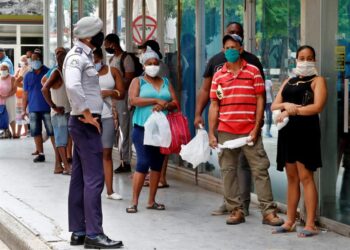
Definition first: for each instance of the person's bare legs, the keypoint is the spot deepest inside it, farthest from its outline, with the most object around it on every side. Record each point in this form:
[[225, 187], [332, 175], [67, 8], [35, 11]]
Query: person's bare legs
[[162, 180], [39, 143], [293, 193], [137, 183], [108, 169], [153, 186], [13, 129], [69, 148], [19, 130], [58, 166], [63, 157], [310, 193]]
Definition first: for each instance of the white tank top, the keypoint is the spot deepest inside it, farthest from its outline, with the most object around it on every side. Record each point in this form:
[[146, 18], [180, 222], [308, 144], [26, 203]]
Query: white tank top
[[59, 96], [107, 83]]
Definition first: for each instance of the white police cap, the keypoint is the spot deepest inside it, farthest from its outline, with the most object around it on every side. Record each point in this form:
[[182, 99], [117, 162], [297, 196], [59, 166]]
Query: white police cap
[[87, 27]]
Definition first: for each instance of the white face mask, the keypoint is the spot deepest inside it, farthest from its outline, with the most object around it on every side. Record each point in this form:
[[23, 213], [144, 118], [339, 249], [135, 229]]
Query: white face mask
[[305, 68], [152, 70], [4, 73]]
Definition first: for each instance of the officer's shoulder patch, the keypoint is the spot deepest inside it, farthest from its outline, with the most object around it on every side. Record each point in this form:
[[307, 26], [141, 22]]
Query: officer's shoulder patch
[[78, 50], [74, 62]]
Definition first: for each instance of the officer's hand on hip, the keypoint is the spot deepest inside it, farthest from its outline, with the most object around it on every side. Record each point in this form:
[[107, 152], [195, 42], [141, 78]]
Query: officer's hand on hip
[[88, 118]]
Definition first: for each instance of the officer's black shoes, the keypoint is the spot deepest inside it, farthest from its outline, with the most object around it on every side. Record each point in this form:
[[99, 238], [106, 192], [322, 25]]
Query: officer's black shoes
[[39, 158], [76, 240], [102, 242]]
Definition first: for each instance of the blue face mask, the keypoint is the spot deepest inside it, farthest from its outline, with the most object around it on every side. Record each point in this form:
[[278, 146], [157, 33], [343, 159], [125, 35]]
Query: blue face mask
[[36, 64], [232, 55], [98, 66]]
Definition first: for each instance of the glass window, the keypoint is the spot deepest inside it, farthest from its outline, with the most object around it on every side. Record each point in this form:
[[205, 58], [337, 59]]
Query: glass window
[[144, 28], [233, 11], [52, 32], [91, 7], [67, 36], [8, 34], [335, 180], [109, 16], [277, 39], [121, 29]]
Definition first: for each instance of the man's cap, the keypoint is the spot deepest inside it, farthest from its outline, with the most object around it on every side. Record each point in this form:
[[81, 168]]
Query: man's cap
[[87, 27], [37, 51], [233, 37], [154, 45]]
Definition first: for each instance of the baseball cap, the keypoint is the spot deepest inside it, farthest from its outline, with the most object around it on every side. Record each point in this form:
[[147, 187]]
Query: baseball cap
[[153, 45], [233, 37]]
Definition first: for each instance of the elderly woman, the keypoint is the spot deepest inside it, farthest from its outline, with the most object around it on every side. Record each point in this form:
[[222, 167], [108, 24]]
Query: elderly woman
[[7, 96], [23, 68], [148, 93], [301, 98]]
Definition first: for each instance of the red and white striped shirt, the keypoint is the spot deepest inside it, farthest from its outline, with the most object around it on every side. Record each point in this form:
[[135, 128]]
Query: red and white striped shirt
[[237, 107]]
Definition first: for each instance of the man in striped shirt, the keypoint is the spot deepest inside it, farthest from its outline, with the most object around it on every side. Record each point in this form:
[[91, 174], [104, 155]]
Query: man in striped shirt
[[237, 109]]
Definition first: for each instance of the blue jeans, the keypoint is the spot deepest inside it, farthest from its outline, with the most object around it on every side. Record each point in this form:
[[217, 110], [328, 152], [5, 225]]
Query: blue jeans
[[36, 119]]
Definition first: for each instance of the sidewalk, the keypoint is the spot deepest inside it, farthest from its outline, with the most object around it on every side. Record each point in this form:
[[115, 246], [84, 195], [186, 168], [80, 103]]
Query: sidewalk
[[37, 198]]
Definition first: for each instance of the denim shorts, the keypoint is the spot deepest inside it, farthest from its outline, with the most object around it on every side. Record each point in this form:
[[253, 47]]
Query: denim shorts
[[36, 120], [60, 129], [147, 156]]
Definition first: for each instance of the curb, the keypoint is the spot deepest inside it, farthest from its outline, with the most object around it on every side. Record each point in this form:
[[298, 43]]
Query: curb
[[16, 236]]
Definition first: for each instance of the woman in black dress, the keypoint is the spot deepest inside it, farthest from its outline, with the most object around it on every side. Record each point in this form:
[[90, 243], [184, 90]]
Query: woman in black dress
[[301, 98]]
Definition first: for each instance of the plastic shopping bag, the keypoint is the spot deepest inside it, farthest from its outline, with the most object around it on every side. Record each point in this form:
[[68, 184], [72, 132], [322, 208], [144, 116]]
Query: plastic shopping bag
[[157, 130], [180, 133], [197, 151], [282, 124], [236, 143]]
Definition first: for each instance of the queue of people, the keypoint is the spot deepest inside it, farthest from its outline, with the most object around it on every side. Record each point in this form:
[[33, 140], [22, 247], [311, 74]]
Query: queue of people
[[82, 99]]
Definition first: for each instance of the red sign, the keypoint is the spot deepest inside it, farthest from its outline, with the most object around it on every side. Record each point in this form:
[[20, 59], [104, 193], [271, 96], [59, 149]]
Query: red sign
[[137, 26]]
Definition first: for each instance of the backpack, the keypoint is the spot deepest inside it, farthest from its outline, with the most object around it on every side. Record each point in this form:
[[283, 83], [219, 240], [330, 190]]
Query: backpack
[[137, 64]]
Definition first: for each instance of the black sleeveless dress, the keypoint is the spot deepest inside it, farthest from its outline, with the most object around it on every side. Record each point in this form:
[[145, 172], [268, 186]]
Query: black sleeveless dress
[[300, 139]]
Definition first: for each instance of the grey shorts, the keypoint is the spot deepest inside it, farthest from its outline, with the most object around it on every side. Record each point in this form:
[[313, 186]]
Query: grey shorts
[[108, 132]]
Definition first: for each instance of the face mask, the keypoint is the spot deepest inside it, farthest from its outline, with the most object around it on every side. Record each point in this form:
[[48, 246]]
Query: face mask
[[36, 64], [97, 40], [305, 68], [4, 73], [98, 66], [110, 50], [232, 55], [152, 70]]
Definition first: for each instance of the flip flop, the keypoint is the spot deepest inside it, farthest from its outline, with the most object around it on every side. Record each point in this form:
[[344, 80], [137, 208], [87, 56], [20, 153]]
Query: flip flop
[[132, 209], [307, 233], [160, 185], [282, 230], [156, 206]]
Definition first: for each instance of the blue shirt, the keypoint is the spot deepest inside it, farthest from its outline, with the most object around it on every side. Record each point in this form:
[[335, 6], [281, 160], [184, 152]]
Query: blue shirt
[[32, 84], [147, 90], [7, 60]]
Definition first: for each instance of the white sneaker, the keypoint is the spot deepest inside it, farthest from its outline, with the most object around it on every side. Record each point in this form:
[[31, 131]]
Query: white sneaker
[[114, 196]]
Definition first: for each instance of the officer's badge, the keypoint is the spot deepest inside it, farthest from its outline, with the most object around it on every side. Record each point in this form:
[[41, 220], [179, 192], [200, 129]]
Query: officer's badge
[[219, 92], [78, 50]]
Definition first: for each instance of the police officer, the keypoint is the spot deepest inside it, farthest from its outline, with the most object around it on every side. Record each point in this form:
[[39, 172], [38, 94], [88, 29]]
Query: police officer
[[84, 94]]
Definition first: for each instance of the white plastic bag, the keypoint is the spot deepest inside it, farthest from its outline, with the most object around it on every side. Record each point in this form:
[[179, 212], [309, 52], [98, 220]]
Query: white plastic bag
[[197, 151], [157, 130], [236, 143], [282, 124]]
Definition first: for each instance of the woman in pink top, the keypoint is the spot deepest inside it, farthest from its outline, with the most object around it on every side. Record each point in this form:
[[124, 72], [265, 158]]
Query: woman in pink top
[[7, 91]]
